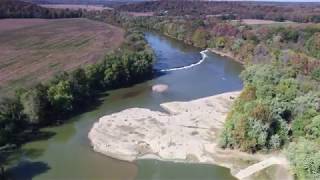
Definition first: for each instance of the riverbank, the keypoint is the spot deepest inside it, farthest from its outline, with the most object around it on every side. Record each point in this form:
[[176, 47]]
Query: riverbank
[[229, 54], [224, 54], [188, 132]]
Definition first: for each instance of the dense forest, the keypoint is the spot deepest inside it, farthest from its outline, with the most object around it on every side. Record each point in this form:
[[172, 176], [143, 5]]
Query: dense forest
[[20, 9], [51, 102], [230, 10], [279, 106]]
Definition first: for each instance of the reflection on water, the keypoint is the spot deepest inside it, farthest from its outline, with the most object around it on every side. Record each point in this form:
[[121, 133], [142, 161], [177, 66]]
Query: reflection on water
[[68, 155], [171, 53], [28, 170], [158, 170]]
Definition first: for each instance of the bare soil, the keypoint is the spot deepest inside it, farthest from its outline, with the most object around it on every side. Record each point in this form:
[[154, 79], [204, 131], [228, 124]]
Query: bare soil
[[137, 14], [33, 50], [75, 6], [262, 22], [12, 24]]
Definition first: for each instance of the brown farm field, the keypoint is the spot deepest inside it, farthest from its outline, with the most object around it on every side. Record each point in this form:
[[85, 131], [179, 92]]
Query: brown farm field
[[76, 7], [262, 22], [33, 50]]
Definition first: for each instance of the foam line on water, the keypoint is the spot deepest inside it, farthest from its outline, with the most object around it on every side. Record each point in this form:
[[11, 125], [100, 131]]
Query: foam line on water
[[203, 54]]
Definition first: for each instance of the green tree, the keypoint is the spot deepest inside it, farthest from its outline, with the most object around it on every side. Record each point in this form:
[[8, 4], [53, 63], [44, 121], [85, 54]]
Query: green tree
[[315, 74], [220, 42], [95, 75], [275, 141], [80, 86], [313, 45], [12, 120], [313, 129], [304, 158], [287, 89], [35, 104], [199, 38], [60, 96]]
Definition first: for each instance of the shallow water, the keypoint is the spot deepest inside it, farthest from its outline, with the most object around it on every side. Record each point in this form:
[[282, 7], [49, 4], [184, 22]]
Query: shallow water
[[68, 155]]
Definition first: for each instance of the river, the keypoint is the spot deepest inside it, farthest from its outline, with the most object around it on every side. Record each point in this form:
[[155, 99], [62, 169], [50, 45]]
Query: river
[[66, 153]]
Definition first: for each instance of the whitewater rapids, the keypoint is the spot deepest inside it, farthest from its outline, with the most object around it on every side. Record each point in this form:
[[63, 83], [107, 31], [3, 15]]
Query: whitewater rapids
[[203, 54]]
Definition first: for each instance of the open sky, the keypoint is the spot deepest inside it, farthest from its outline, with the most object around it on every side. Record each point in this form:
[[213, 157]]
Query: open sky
[[268, 0]]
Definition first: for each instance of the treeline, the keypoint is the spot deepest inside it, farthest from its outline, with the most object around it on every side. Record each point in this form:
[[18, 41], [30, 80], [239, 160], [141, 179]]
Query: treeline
[[298, 12], [278, 106], [20, 9], [68, 93], [107, 3]]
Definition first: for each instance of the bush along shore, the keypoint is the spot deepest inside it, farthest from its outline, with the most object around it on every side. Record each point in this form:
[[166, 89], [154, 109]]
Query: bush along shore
[[68, 93]]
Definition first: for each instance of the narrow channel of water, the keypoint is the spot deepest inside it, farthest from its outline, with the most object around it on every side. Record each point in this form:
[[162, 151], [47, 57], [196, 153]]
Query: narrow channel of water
[[68, 155]]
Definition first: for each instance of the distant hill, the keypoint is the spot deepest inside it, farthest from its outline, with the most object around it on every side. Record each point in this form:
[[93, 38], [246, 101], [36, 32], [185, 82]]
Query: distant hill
[[298, 12], [104, 2], [21, 9]]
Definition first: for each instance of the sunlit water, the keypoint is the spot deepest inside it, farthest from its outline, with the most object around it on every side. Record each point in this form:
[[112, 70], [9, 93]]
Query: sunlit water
[[68, 155]]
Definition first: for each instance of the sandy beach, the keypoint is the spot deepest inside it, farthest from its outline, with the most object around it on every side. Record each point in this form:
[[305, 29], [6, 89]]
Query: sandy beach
[[186, 132]]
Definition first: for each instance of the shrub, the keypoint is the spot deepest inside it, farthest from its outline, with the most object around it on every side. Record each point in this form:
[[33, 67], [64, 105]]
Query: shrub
[[12, 120], [248, 93], [257, 134], [313, 45], [60, 96], [315, 74], [275, 142], [301, 122], [35, 104], [287, 89], [313, 129], [199, 38], [220, 42], [304, 158], [263, 77], [261, 112]]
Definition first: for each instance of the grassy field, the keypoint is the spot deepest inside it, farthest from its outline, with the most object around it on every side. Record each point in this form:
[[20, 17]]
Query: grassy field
[[32, 50]]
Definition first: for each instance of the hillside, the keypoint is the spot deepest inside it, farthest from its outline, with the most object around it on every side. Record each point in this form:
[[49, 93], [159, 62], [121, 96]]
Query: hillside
[[92, 2], [21, 9]]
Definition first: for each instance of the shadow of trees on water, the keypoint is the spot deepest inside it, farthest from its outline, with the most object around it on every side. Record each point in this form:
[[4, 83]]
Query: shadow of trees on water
[[26, 170], [16, 164], [32, 136]]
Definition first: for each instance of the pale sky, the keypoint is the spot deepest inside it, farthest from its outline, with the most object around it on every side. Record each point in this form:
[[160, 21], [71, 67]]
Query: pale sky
[[272, 0]]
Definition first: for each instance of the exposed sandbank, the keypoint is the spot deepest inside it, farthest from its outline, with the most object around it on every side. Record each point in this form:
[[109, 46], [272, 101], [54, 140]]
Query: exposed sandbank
[[160, 88], [187, 133]]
